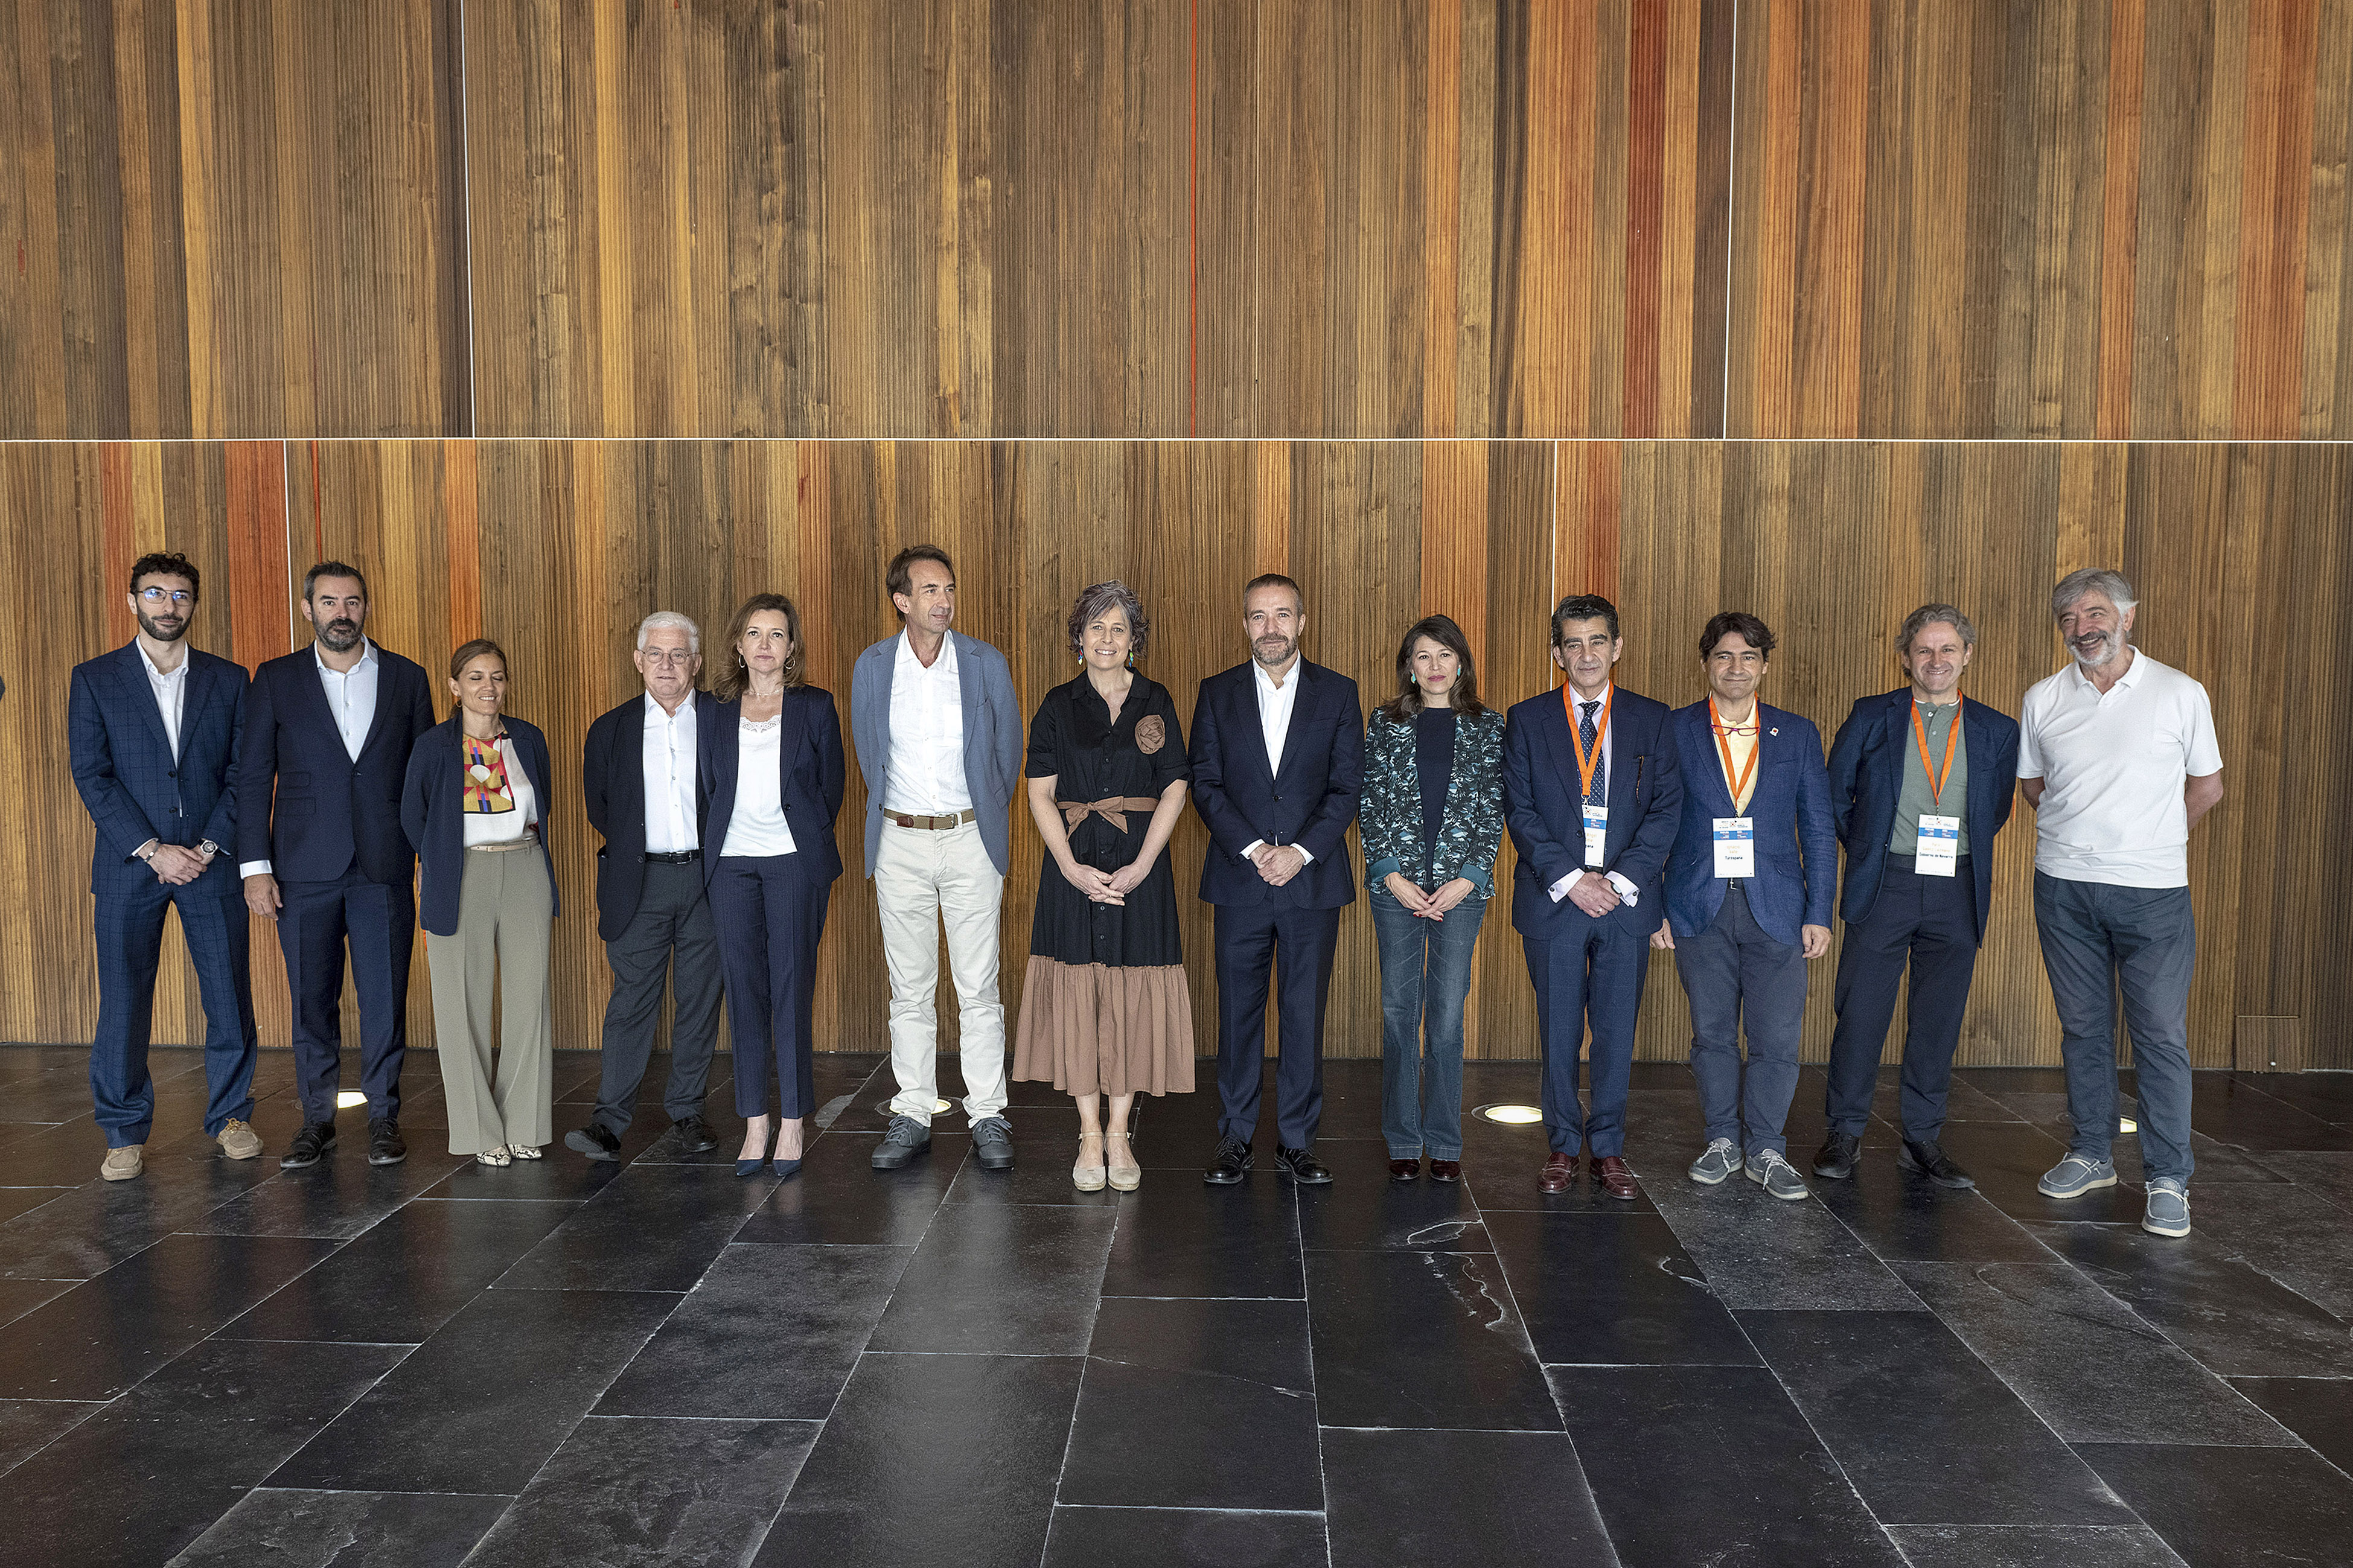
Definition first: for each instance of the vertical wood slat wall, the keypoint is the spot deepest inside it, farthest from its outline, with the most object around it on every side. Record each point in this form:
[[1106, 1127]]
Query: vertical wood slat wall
[[1429, 276]]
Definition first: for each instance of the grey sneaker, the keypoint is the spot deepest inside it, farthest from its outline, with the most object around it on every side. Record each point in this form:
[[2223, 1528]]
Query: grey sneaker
[[992, 1144], [2169, 1208], [2075, 1175], [1769, 1170], [906, 1139], [1719, 1160]]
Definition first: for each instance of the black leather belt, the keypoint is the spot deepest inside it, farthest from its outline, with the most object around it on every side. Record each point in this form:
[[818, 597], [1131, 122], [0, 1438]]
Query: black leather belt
[[678, 857]]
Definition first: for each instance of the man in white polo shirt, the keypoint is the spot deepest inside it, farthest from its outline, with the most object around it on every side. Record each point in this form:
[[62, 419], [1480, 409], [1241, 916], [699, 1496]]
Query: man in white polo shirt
[[2118, 757]]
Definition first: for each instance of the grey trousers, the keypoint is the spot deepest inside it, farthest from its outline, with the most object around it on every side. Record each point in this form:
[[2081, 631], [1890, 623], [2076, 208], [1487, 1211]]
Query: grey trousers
[[506, 908], [2098, 940], [1740, 981], [672, 939]]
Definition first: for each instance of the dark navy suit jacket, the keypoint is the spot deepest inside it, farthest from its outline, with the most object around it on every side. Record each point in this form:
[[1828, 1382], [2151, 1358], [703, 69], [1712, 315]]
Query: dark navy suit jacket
[[310, 810], [1797, 840], [1867, 762], [815, 771], [122, 764], [1544, 805], [613, 776], [433, 816], [1310, 802]]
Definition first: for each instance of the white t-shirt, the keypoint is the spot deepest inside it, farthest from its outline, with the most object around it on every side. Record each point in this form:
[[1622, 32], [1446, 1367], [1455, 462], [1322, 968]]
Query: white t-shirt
[[756, 826], [2113, 768]]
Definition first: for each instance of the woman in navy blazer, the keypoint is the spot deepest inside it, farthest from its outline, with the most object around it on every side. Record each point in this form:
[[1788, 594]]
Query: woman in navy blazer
[[773, 770], [475, 808]]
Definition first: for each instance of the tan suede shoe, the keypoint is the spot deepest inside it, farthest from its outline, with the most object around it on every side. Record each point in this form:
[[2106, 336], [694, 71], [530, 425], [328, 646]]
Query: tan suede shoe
[[238, 1140], [121, 1165]]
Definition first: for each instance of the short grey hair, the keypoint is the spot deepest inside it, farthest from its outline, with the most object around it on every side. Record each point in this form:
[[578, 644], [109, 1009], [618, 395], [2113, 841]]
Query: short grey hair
[[2100, 580], [670, 621], [1099, 597], [1927, 616]]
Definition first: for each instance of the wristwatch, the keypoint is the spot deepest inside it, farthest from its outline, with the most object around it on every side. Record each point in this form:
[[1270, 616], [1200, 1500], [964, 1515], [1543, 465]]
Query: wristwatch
[[208, 849], [146, 852]]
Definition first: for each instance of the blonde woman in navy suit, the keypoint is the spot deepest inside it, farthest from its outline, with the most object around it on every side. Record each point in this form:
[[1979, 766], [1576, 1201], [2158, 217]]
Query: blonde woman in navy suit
[[773, 769]]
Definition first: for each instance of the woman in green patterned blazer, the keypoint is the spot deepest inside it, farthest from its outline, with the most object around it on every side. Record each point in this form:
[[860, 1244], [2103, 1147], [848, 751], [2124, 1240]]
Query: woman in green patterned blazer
[[1432, 818]]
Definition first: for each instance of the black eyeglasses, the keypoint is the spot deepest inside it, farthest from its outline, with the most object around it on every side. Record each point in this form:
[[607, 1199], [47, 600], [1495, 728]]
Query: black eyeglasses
[[176, 595]]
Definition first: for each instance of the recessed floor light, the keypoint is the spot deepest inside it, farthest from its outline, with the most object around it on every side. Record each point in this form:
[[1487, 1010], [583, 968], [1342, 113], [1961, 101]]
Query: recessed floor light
[[1510, 1115], [349, 1098], [2127, 1124]]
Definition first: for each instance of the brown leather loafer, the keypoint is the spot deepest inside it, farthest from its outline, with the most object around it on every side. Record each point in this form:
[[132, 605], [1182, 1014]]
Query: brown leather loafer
[[1446, 1171], [1616, 1180], [1559, 1170], [1404, 1170]]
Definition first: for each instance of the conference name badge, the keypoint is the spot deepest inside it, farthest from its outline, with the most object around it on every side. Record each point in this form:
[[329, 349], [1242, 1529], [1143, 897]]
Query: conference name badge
[[1596, 834], [1939, 850], [1736, 846]]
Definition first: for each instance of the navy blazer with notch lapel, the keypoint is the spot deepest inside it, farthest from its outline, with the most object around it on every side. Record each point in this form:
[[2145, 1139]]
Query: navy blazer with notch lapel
[[1310, 802], [1543, 806], [815, 773], [310, 809], [1796, 882], [134, 786], [1866, 769], [613, 778], [433, 816]]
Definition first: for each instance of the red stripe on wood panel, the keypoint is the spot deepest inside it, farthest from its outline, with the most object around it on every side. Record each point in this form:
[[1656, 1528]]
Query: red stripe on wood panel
[[1271, 507], [1585, 539], [254, 483], [121, 546], [460, 470], [1646, 160], [2120, 216]]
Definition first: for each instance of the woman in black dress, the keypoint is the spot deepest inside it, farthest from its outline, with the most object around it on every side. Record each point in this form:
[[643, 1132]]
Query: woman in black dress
[[1105, 1009]]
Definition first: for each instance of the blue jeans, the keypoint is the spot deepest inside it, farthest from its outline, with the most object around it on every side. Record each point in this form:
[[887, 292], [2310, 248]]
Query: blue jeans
[[2098, 940], [1425, 980]]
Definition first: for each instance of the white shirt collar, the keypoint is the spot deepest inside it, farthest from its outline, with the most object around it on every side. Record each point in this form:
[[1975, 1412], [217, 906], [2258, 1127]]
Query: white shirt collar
[[946, 661], [367, 657], [2131, 677], [1580, 699], [655, 710], [156, 671], [1289, 682]]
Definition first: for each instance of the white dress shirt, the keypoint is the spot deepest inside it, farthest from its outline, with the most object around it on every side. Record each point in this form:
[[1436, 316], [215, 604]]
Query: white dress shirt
[[669, 763], [1626, 889], [170, 688], [505, 827], [351, 698], [757, 825], [1274, 708], [925, 775], [2114, 766]]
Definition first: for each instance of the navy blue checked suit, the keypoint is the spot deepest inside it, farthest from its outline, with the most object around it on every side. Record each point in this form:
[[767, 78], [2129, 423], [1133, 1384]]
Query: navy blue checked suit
[[1279, 939], [330, 828], [137, 790], [1589, 970]]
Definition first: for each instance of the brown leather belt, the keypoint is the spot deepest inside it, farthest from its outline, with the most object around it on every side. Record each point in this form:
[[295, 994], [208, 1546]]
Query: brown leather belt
[[1113, 809], [930, 824]]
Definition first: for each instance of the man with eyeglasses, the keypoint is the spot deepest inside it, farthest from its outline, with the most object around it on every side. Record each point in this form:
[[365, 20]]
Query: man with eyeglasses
[[153, 729], [645, 796], [328, 733]]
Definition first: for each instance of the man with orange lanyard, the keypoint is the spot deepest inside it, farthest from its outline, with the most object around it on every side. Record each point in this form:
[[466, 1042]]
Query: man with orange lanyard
[[1920, 782], [1749, 890], [1593, 797]]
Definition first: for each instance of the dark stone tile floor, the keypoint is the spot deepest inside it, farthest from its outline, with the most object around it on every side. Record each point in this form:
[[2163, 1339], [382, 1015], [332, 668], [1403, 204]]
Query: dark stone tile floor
[[654, 1363]]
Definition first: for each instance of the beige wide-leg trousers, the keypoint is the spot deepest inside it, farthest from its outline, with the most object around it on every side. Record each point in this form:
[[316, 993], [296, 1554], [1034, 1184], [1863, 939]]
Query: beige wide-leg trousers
[[924, 881], [506, 908]]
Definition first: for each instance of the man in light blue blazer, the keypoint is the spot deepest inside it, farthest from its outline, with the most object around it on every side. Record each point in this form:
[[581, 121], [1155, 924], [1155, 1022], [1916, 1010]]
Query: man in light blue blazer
[[1750, 886], [153, 729], [937, 730]]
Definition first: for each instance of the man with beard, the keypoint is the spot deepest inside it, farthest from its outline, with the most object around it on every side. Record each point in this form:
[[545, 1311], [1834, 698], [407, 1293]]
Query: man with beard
[[2116, 755], [327, 737], [1278, 766], [154, 729]]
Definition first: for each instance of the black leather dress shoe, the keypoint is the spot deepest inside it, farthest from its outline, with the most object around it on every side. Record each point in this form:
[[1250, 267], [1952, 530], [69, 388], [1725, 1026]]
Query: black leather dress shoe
[[1446, 1172], [1836, 1158], [1301, 1167], [1929, 1160], [695, 1134], [596, 1141], [385, 1145], [1231, 1164], [309, 1147]]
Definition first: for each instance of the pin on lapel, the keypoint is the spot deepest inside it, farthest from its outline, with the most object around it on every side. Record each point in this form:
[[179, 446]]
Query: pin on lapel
[[1774, 732]]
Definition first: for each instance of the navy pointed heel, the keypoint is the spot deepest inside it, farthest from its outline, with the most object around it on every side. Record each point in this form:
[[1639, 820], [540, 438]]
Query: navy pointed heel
[[745, 1167], [787, 1167]]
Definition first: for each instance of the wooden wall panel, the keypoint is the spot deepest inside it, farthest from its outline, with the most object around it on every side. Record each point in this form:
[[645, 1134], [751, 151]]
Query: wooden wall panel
[[228, 218]]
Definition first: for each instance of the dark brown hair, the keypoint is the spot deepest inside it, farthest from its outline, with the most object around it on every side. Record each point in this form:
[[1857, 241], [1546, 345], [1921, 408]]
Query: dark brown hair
[[1442, 630], [333, 569], [469, 652], [1725, 623], [733, 677], [899, 576], [1583, 608], [1275, 580], [166, 563], [1098, 598]]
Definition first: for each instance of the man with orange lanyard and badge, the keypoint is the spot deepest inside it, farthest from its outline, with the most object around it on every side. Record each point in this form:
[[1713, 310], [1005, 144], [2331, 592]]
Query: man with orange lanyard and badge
[[1749, 890], [1920, 782], [1592, 797]]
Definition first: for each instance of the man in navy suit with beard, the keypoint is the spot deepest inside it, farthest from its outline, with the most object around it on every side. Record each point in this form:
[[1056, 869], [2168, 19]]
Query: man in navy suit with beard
[[1278, 766]]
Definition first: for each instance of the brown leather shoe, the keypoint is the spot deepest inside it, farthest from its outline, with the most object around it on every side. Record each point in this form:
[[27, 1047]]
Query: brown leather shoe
[[1447, 1170], [1616, 1180], [1404, 1170], [1559, 1170]]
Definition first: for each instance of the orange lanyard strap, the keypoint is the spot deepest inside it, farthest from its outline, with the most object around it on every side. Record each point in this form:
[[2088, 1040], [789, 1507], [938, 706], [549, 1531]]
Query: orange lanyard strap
[[1936, 776], [1585, 764], [1724, 745]]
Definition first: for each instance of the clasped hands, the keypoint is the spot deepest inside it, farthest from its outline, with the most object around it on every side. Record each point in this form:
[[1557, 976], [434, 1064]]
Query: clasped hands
[[1104, 887], [177, 864], [1277, 863], [1429, 906]]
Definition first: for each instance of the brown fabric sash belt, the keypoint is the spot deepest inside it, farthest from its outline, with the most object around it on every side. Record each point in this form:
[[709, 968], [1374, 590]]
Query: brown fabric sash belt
[[930, 824], [1112, 808]]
